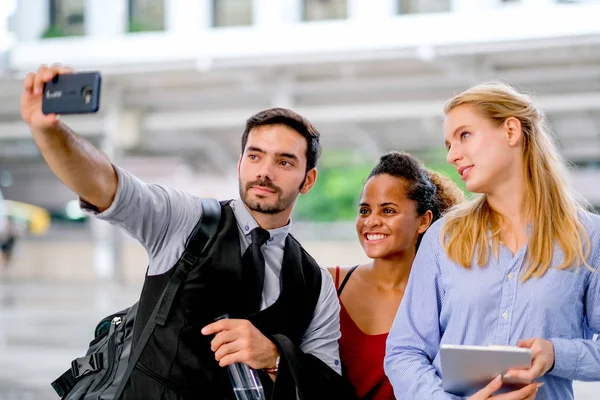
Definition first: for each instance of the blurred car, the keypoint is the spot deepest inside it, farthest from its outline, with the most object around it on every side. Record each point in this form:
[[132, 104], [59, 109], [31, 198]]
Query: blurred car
[[37, 219]]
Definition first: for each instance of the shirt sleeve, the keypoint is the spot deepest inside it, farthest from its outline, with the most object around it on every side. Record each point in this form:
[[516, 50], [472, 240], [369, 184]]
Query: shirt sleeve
[[159, 217], [579, 359], [414, 339], [321, 337]]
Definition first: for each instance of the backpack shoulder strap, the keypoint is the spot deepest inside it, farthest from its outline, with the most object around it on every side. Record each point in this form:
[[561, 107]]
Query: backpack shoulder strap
[[199, 240]]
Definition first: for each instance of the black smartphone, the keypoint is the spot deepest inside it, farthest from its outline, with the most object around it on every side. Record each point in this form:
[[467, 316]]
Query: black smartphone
[[77, 93]]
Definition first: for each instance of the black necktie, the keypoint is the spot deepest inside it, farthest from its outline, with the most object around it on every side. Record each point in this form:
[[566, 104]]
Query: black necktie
[[253, 268]]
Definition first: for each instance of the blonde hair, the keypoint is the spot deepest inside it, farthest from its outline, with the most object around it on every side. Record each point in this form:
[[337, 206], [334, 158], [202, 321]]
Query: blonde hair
[[552, 207]]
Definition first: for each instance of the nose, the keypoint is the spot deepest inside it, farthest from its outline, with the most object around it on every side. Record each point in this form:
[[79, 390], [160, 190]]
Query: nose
[[372, 221], [265, 170], [453, 155]]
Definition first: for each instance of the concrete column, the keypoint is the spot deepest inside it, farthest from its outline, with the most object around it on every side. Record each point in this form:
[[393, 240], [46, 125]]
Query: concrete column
[[31, 19], [188, 17], [106, 18], [368, 10], [268, 13], [122, 130], [283, 92], [475, 5], [538, 3]]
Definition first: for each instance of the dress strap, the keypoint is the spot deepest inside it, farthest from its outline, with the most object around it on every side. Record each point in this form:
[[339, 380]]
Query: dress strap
[[345, 278]]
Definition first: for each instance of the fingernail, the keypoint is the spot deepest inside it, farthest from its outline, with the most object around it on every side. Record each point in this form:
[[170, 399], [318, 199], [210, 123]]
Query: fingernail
[[506, 376], [541, 384], [203, 331], [498, 378]]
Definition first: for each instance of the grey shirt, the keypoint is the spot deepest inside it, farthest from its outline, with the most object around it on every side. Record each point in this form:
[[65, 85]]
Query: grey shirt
[[161, 219]]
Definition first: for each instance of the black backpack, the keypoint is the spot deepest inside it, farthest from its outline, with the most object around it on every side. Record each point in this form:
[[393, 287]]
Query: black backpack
[[103, 372]]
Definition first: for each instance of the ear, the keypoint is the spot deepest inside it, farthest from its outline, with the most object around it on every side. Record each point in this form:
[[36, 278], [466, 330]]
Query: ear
[[309, 181], [239, 164], [424, 221], [514, 133]]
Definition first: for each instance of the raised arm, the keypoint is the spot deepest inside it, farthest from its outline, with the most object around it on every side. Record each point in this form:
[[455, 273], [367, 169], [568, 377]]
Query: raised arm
[[80, 166]]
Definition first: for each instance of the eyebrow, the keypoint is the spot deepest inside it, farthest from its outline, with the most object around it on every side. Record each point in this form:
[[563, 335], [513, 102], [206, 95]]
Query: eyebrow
[[284, 155], [387, 203], [460, 128]]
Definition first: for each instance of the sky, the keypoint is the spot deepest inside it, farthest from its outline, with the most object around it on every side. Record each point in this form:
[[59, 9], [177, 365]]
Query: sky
[[6, 8]]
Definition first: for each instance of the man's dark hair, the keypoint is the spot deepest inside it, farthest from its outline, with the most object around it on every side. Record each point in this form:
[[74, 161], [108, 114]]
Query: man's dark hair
[[293, 120]]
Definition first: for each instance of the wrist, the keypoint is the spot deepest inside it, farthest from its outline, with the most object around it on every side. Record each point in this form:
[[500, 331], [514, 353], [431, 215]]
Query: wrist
[[273, 370]]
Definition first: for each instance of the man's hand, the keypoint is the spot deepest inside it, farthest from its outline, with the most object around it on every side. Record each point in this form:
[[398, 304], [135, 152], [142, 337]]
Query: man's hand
[[237, 340], [542, 353], [526, 393], [31, 98]]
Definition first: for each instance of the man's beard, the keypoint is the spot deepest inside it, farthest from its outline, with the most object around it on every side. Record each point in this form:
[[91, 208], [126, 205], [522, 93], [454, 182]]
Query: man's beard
[[282, 203]]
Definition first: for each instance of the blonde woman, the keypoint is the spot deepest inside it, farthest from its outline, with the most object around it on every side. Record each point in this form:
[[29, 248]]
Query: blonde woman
[[514, 266]]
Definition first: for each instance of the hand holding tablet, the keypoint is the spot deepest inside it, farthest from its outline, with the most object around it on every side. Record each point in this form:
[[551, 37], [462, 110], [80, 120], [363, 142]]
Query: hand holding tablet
[[468, 369]]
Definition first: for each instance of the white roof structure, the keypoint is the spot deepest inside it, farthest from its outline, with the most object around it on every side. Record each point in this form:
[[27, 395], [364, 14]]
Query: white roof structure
[[374, 81]]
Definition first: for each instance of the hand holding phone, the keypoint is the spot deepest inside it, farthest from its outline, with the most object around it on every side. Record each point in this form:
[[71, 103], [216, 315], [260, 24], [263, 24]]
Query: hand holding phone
[[40, 113]]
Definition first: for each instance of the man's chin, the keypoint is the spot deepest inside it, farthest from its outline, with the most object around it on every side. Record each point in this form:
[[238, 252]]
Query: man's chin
[[263, 207]]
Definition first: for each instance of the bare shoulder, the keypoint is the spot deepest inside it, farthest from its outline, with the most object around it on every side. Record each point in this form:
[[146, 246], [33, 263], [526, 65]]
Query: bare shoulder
[[332, 271], [343, 271]]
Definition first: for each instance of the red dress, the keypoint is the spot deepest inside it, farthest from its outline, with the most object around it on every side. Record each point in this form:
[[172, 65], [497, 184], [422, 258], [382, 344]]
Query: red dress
[[362, 355]]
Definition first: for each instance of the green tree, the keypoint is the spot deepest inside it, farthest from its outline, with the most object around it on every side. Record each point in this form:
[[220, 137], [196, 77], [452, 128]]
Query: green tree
[[336, 194]]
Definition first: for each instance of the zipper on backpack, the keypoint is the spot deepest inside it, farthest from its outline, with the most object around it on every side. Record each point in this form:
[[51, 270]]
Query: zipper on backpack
[[116, 321]]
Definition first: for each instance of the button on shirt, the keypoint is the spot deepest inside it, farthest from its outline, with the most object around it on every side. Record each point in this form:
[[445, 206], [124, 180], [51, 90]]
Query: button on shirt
[[445, 303]]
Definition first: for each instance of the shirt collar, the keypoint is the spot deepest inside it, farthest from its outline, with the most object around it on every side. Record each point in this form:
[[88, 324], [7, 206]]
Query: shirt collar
[[246, 223]]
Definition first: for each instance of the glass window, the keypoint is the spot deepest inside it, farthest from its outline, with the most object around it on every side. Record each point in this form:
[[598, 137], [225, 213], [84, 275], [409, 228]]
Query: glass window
[[66, 18], [423, 6], [146, 15], [232, 12], [315, 10]]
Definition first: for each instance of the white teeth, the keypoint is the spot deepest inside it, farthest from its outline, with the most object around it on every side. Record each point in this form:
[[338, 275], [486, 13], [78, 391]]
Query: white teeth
[[375, 236], [466, 170]]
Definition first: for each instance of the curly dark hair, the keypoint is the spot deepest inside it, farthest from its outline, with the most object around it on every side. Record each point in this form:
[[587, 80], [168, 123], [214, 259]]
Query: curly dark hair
[[428, 189]]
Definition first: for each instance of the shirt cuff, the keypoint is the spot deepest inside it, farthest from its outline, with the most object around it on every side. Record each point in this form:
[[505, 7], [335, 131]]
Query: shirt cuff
[[566, 357], [92, 210]]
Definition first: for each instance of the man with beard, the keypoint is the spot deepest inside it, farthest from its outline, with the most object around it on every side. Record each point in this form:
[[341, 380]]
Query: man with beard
[[288, 302]]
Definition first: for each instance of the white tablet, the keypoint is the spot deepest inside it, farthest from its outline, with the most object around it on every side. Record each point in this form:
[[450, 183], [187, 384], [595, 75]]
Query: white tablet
[[468, 369]]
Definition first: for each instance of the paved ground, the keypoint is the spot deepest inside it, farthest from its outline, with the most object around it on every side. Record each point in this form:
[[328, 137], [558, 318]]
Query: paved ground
[[44, 326]]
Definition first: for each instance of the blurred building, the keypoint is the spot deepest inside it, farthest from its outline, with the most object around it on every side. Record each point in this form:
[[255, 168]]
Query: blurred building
[[181, 76]]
